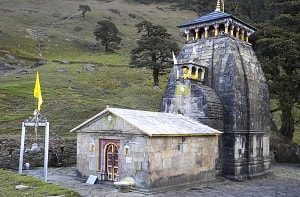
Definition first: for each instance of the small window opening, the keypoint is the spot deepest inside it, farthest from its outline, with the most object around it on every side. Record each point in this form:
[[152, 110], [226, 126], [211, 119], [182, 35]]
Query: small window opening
[[180, 147], [194, 75]]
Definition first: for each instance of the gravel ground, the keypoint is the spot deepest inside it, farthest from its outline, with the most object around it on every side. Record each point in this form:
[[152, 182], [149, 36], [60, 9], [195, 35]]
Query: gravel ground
[[285, 181]]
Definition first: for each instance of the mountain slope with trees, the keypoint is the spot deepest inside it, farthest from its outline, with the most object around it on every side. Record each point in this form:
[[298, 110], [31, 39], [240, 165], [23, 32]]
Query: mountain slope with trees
[[79, 78]]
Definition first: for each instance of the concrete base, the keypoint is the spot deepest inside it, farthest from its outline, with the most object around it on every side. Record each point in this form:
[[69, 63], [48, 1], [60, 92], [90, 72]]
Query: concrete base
[[153, 191], [242, 171], [247, 177]]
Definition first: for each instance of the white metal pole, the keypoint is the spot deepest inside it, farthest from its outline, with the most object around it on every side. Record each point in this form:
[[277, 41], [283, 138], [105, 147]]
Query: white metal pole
[[22, 149], [46, 151]]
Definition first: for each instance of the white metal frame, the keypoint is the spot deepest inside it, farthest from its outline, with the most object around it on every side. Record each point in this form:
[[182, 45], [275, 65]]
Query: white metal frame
[[35, 123]]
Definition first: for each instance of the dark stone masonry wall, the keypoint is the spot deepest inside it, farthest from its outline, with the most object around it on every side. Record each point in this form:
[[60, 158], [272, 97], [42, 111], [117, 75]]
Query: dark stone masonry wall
[[62, 152], [233, 98]]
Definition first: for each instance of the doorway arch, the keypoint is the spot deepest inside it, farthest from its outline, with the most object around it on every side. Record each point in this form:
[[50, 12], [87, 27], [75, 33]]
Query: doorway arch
[[111, 161]]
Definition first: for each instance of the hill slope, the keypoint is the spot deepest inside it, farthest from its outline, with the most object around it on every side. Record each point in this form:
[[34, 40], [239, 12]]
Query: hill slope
[[55, 29], [51, 34]]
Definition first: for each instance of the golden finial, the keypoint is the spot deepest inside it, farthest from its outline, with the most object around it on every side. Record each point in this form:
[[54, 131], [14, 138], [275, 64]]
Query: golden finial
[[218, 8]]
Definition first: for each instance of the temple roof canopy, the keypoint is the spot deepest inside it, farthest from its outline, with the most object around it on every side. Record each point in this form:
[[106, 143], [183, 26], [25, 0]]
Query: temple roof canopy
[[216, 23], [214, 16], [206, 18]]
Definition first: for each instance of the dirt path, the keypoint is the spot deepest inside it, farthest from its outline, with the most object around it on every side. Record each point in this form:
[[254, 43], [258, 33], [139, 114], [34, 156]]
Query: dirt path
[[285, 181]]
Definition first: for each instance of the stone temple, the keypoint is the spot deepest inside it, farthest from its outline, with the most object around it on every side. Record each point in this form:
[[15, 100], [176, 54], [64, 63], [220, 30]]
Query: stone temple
[[217, 80], [213, 120]]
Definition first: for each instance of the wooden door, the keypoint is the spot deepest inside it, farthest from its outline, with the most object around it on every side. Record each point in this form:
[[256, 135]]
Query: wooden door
[[112, 162]]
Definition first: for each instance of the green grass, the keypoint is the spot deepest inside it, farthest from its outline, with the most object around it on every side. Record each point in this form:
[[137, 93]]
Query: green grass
[[20, 44], [8, 181], [63, 32], [74, 95]]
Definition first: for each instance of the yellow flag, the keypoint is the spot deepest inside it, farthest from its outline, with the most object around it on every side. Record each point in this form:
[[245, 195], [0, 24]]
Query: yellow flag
[[37, 91]]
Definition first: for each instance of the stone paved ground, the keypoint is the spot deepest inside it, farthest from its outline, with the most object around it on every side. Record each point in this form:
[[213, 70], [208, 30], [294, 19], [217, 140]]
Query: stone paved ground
[[285, 181]]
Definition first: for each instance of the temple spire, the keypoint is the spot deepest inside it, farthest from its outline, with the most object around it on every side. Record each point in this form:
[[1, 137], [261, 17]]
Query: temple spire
[[220, 6]]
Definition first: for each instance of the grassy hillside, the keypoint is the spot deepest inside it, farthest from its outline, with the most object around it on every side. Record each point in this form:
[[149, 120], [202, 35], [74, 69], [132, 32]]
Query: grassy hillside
[[71, 94], [59, 27], [54, 31]]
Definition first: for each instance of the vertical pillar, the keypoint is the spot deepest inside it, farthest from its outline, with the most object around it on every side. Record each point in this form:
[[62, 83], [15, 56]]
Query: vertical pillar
[[46, 152], [242, 35], [226, 28], [190, 72], [231, 30], [247, 37], [197, 74], [197, 33], [177, 72], [216, 26], [22, 148], [206, 32], [237, 33], [202, 73], [187, 33]]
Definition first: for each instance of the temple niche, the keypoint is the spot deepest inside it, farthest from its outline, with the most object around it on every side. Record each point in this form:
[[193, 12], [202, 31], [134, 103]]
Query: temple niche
[[218, 81]]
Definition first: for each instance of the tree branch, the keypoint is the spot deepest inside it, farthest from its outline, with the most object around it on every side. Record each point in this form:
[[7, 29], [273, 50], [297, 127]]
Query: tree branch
[[275, 110]]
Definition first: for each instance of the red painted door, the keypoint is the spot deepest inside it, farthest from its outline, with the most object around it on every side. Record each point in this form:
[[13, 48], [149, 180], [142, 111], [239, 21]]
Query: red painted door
[[112, 161]]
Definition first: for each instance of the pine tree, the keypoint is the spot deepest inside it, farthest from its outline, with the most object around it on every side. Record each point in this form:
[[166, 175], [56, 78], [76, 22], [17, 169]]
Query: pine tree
[[108, 34], [277, 46], [154, 48]]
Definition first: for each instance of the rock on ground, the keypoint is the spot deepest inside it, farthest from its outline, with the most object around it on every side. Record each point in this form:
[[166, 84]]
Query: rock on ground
[[90, 67], [21, 187]]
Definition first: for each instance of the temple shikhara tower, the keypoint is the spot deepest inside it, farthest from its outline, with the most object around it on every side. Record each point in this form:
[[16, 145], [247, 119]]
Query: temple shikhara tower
[[218, 81]]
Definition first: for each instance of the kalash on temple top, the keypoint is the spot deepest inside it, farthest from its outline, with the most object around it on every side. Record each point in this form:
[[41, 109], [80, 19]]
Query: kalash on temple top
[[216, 23]]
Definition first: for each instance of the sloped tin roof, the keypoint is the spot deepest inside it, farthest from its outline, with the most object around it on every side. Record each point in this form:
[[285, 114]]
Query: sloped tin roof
[[157, 123], [215, 15], [208, 17]]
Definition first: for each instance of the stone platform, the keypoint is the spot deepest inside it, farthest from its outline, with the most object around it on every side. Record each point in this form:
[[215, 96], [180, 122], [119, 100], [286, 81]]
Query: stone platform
[[285, 181]]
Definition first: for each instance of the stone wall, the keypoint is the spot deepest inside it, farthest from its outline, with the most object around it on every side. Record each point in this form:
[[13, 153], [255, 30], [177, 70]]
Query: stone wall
[[153, 162], [62, 152], [236, 78], [197, 101], [134, 164], [182, 160], [89, 160]]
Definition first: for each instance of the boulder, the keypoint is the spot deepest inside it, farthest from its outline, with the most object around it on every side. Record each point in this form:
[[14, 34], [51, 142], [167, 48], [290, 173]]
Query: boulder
[[90, 67], [61, 69], [125, 185], [21, 187]]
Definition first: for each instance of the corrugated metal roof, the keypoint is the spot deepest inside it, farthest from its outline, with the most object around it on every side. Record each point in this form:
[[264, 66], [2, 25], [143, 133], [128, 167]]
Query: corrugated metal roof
[[158, 123], [215, 15], [208, 17]]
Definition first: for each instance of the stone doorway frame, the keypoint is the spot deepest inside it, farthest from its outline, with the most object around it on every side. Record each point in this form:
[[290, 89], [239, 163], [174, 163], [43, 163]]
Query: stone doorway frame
[[112, 174]]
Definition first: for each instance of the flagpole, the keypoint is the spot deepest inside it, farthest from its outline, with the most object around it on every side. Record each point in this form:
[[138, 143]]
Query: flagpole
[[176, 65]]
